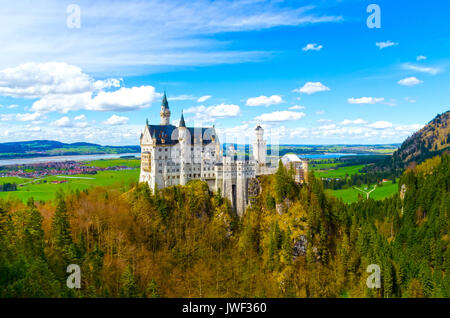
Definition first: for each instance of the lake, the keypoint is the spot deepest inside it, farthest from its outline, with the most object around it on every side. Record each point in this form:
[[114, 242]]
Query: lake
[[22, 161]]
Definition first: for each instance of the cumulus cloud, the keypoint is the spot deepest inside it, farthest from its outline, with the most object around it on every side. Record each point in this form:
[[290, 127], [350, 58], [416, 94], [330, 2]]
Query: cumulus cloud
[[409, 81], [80, 117], [365, 100], [203, 98], [382, 45], [264, 100], [62, 88], [313, 47], [211, 113], [62, 122], [28, 116], [280, 116], [311, 88], [380, 124], [421, 57], [116, 120]]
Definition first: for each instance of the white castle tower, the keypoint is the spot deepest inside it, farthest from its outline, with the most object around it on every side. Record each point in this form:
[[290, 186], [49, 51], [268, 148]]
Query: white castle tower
[[259, 147]]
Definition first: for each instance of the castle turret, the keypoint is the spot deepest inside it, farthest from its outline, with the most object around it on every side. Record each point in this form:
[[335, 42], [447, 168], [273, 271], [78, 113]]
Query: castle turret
[[165, 111], [183, 140], [259, 146]]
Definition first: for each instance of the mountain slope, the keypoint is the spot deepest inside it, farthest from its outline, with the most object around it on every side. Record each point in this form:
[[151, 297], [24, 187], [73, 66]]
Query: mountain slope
[[431, 140]]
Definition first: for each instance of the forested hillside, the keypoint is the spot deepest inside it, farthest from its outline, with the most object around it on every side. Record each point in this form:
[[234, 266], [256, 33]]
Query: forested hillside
[[186, 242], [431, 140]]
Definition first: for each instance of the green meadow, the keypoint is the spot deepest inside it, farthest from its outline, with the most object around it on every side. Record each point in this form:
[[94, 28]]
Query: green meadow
[[104, 163], [331, 170], [350, 195], [43, 188], [338, 172]]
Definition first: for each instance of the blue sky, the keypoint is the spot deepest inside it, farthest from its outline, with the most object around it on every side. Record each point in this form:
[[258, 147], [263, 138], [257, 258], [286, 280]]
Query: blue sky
[[310, 72]]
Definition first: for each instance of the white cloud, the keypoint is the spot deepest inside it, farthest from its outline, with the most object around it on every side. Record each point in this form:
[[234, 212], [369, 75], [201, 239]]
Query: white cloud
[[124, 99], [311, 88], [320, 112], [327, 127], [264, 100], [380, 124], [62, 122], [410, 81], [116, 120], [410, 100], [62, 87], [80, 117], [421, 57], [365, 100], [382, 45], [12, 106], [28, 116], [358, 121], [280, 116], [313, 47], [211, 113], [297, 107], [421, 69], [203, 98]]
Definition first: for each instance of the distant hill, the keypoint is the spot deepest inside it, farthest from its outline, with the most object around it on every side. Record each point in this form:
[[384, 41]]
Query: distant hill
[[431, 140], [42, 148]]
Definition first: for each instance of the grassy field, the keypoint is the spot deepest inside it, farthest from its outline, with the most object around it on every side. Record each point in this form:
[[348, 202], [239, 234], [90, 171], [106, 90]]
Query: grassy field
[[104, 163], [44, 189], [351, 195], [337, 173]]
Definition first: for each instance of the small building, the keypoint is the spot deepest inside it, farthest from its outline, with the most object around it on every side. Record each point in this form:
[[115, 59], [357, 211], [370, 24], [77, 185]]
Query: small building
[[300, 167]]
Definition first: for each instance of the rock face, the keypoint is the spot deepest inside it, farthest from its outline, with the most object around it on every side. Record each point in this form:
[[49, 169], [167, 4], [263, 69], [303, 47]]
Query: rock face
[[403, 191], [300, 246]]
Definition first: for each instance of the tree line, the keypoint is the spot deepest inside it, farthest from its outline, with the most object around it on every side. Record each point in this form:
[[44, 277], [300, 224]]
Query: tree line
[[185, 241]]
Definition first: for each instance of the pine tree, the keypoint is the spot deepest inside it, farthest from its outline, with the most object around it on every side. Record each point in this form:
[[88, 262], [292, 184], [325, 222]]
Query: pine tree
[[60, 230], [128, 287]]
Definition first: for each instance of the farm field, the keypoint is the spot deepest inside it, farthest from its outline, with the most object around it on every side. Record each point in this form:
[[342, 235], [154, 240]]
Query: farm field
[[43, 188], [350, 195]]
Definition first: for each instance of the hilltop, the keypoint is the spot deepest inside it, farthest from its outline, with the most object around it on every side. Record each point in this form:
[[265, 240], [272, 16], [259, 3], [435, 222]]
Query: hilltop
[[42, 148], [431, 140]]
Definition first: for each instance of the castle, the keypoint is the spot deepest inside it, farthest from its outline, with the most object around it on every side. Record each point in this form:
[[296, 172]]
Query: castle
[[173, 155]]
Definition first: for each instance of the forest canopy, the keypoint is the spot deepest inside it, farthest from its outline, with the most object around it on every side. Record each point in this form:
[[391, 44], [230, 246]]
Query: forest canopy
[[185, 241]]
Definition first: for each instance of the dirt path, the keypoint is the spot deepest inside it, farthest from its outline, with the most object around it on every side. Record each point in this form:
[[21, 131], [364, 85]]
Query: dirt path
[[366, 192]]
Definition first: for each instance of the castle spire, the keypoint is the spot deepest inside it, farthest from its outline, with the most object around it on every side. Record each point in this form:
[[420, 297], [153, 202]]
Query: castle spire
[[182, 123], [165, 103], [165, 111]]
